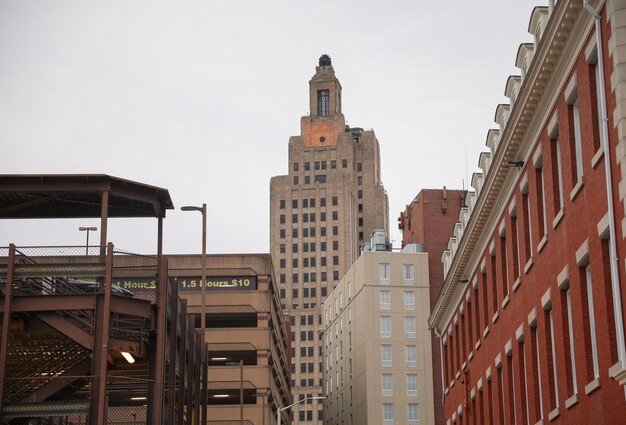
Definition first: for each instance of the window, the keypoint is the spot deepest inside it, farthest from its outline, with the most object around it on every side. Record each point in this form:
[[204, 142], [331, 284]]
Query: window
[[307, 179], [408, 273], [386, 383], [296, 180], [383, 273], [335, 215], [541, 200], [552, 360], [385, 326], [335, 230], [282, 219], [388, 414], [333, 164], [409, 300], [591, 346], [335, 245], [359, 181], [557, 173], [385, 355], [323, 103], [282, 204], [320, 178], [409, 327], [570, 357], [323, 218], [411, 355], [296, 166], [344, 163], [576, 142], [282, 248], [359, 167], [294, 247], [385, 300], [294, 218], [281, 233], [316, 165], [282, 263], [307, 166], [359, 194], [323, 167], [411, 384], [412, 413], [335, 260], [528, 228], [537, 373], [335, 275]]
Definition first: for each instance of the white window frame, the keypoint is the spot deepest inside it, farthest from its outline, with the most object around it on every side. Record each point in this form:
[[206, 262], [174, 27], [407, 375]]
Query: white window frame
[[386, 349], [387, 414], [412, 413], [410, 350], [386, 384], [570, 325], [578, 144], [385, 326], [384, 300], [410, 326], [384, 273], [411, 384], [592, 322], [554, 360], [409, 300], [408, 274]]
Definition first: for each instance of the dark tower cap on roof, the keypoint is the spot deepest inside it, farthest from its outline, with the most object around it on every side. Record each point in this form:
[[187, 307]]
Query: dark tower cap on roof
[[325, 60]]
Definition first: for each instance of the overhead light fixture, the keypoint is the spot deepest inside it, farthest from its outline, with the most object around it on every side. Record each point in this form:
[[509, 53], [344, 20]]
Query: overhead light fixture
[[218, 358], [138, 398], [129, 357], [221, 396]]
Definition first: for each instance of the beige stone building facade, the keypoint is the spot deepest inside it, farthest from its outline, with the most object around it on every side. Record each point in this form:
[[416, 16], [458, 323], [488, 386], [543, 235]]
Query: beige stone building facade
[[377, 345], [246, 333], [320, 215]]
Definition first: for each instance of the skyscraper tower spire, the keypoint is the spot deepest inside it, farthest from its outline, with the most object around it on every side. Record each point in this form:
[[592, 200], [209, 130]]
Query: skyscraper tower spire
[[320, 214]]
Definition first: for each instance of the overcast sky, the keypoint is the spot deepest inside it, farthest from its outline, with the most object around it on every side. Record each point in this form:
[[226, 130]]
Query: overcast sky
[[200, 98]]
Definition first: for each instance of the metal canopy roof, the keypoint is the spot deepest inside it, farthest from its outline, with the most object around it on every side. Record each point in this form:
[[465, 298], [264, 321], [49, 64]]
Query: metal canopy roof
[[78, 196]]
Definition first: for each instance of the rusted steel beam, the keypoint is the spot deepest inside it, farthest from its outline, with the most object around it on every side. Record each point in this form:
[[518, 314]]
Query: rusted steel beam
[[180, 357], [131, 306], [4, 341], [52, 303], [104, 220], [172, 331], [159, 368], [67, 328]]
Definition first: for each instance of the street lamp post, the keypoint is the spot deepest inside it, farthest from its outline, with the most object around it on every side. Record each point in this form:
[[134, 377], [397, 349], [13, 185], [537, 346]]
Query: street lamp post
[[202, 210], [87, 229], [280, 410]]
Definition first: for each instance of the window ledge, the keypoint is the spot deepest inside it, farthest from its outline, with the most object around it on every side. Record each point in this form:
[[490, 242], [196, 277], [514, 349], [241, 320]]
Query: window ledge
[[592, 386], [458, 375], [528, 266], [505, 301], [452, 383], [485, 332], [576, 190], [571, 401], [495, 317], [542, 243], [554, 414], [470, 356], [446, 391], [516, 284], [618, 373], [464, 366], [540, 422], [477, 345], [597, 157], [558, 218]]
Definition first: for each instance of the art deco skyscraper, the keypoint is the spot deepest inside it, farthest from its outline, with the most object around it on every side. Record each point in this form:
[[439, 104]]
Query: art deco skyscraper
[[320, 215]]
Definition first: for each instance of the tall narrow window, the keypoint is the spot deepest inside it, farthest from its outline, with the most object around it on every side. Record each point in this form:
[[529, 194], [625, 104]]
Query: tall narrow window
[[510, 377], [409, 327], [383, 273], [557, 173], [494, 283], [552, 365], [387, 384], [384, 300], [528, 228], [568, 335], [523, 382], [385, 355], [323, 103], [411, 355], [536, 368], [409, 300], [515, 245], [387, 413], [411, 384], [463, 341], [412, 414], [541, 200], [490, 400], [385, 326], [477, 313], [504, 265], [483, 288], [408, 277], [586, 289], [501, 398], [470, 326], [576, 141]]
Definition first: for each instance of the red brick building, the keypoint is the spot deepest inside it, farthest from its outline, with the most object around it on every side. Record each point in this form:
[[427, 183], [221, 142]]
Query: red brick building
[[530, 317], [429, 220]]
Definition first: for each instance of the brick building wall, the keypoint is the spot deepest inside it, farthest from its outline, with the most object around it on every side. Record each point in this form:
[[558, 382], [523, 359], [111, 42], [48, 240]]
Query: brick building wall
[[429, 220], [527, 314]]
